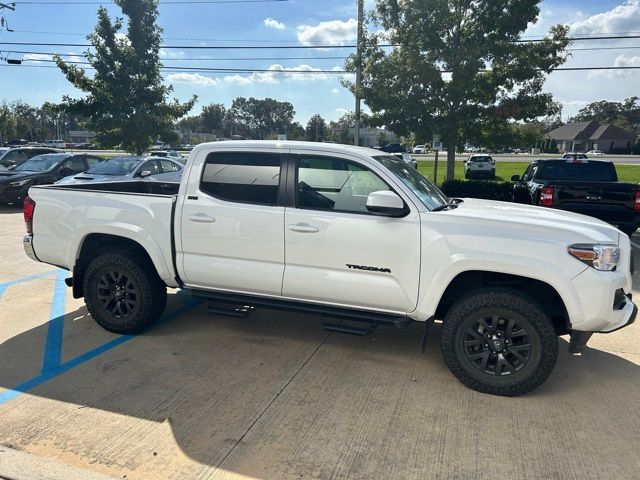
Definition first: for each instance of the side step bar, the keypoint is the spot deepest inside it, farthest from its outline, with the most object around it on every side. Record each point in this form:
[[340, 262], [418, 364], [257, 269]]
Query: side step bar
[[238, 305]]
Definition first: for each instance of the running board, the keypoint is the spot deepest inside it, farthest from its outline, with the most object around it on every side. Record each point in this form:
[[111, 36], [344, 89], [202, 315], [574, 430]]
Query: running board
[[240, 305], [238, 310]]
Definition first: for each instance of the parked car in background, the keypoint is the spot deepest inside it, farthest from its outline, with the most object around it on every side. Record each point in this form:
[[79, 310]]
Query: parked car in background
[[18, 155], [420, 149], [595, 153], [589, 187], [118, 169], [393, 148], [575, 155], [406, 158], [56, 144], [480, 165], [168, 154], [42, 170]]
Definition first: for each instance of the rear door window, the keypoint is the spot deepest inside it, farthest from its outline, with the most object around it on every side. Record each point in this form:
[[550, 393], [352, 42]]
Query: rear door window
[[242, 177]]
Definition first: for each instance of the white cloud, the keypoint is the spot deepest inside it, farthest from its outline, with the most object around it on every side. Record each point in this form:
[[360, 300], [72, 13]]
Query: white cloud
[[193, 79], [623, 18], [620, 61], [37, 57], [277, 73], [271, 23], [171, 54], [335, 91], [342, 111], [334, 32]]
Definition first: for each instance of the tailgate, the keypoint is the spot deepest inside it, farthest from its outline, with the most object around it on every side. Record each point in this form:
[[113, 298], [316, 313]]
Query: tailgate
[[611, 201]]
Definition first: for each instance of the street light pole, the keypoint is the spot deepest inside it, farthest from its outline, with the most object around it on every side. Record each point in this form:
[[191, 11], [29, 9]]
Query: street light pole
[[356, 135]]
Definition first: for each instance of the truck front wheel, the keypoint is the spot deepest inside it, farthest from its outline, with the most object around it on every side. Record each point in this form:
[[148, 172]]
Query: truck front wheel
[[499, 341], [122, 293]]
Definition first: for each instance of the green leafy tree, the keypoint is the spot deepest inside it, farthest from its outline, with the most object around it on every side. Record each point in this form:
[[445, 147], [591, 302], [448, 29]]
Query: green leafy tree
[[259, 118], [7, 123], [213, 117], [457, 66], [625, 114], [316, 129], [126, 102], [295, 131]]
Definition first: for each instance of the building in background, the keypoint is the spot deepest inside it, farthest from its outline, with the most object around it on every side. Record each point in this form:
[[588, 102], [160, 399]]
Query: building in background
[[585, 136]]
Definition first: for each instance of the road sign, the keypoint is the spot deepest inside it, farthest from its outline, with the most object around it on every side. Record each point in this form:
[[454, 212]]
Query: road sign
[[436, 144]]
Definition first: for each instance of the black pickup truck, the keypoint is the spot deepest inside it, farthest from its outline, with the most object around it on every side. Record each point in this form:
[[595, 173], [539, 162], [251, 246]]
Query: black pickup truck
[[585, 186]]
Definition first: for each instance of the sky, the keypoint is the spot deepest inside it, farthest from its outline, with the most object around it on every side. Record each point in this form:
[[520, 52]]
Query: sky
[[297, 22]]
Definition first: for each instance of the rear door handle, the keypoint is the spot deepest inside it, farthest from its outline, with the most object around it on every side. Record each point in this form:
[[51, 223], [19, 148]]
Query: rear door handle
[[201, 218], [303, 228]]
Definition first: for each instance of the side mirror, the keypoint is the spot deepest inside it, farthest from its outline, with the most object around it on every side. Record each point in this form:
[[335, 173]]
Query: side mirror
[[387, 203], [515, 178], [145, 173], [65, 172]]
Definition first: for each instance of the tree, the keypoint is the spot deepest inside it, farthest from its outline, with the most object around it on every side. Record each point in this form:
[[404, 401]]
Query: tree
[[126, 100], [259, 118], [625, 114], [7, 123], [457, 66], [213, 116], [316, 129]]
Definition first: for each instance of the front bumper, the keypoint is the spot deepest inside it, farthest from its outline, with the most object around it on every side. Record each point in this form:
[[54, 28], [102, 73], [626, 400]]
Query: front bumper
[[27, 244]]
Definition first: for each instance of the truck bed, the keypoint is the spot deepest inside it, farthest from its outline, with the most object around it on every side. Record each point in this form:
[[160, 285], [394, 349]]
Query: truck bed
[[67, 214]]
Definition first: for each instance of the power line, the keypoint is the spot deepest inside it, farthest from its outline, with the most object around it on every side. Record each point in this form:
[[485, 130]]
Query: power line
[[204, 59], [258, 47], [306, 72]]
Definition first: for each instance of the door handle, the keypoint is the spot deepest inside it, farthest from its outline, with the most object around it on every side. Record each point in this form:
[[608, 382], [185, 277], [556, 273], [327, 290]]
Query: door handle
[[201, 218], [303, 228]]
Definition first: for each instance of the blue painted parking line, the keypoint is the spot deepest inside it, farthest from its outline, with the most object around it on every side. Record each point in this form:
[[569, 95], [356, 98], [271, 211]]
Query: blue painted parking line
[[55, 370], [53, 345], [5, 285]]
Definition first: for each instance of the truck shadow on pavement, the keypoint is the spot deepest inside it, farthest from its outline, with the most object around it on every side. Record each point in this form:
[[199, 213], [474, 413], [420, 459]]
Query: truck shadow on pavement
[[275, 396]]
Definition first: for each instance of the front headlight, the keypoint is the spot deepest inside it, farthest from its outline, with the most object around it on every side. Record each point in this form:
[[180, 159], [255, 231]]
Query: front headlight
[[600, 257], [20, 183]]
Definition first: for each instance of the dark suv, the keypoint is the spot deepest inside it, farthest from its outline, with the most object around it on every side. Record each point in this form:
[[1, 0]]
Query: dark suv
[[42, 170], [17, 155]]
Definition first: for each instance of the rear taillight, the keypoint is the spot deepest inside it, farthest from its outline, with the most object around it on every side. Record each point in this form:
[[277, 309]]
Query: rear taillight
[[636, 202], [546, 197], [28, 208]]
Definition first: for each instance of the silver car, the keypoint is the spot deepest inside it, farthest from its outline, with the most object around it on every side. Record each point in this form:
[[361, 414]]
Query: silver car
[[119, 169]]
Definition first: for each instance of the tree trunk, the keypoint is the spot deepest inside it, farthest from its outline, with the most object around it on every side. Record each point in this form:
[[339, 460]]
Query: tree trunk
[[451, 158]]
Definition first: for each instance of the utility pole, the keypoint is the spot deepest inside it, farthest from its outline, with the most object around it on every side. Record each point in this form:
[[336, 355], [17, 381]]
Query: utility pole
[[359, 48]]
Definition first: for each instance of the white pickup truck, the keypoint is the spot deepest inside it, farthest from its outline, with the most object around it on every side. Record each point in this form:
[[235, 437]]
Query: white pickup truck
[[351, 233]]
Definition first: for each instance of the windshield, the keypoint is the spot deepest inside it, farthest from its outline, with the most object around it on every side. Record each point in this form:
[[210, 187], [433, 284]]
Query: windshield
[[116, 166], [576, 170], [426, 191], [40, 163]]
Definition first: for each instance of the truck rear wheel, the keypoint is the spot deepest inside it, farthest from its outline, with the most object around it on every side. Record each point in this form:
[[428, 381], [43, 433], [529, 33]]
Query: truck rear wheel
[[499, 341], [123, 294]]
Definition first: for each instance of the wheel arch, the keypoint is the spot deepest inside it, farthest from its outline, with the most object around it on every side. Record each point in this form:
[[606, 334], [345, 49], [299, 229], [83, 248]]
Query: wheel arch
[[95, 244], [544, 293]]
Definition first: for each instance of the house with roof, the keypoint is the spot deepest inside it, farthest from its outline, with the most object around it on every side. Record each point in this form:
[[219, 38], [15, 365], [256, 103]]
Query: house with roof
[[585, 136]]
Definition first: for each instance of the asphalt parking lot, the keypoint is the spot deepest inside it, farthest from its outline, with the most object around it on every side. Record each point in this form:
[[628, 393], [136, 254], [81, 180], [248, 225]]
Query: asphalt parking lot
[[274, 396]]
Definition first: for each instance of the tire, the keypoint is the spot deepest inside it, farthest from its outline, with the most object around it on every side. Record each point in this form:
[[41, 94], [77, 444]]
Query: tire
[[479, 362], [140, 293], [467, 175]]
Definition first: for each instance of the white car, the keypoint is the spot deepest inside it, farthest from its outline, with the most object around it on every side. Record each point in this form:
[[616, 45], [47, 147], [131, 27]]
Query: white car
[[419, 149], [595, 152], [480, 165], [406, 158], [55, 144], [348, 233]]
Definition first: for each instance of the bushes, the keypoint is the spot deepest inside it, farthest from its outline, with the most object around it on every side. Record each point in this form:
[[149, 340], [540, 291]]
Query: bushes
[[502, 191]]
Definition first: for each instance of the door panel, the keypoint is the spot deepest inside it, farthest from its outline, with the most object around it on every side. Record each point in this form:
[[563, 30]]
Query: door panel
[[235, 245], [354, 259]]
